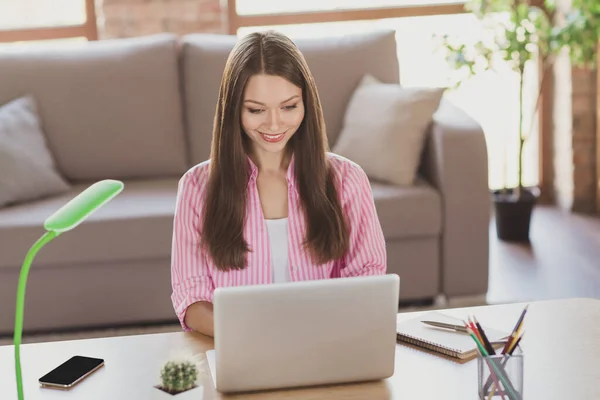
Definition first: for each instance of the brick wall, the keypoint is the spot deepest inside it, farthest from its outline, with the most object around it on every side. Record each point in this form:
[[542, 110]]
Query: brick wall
[[574, 135], [584, 111], [575, 115], [127, 18], [562, 132]]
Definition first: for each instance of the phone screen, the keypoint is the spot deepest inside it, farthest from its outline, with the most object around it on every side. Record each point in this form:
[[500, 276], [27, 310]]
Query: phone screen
[[71, 370]]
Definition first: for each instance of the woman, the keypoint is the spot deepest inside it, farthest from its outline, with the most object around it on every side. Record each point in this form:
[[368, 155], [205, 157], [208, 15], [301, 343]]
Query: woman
[[271, 205]]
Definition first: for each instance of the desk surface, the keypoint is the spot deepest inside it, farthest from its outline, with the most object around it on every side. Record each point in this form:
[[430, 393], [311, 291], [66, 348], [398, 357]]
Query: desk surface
[[562, 361]]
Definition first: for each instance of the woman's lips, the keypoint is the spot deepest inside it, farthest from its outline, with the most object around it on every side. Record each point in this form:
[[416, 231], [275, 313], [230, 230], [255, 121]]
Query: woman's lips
[[272, 138]]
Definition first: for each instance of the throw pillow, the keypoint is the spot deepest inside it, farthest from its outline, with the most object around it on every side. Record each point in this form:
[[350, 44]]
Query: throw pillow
[[384, 129], [26, 164]]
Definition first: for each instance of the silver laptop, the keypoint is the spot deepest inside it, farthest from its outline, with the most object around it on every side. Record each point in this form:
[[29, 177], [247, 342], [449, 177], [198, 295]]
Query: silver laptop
[[304, 333]]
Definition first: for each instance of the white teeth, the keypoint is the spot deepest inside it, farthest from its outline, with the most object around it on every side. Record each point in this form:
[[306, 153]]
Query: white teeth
[[272, 136]]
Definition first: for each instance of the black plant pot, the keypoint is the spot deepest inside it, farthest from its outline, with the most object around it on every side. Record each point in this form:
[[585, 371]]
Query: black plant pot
[[513, 213]]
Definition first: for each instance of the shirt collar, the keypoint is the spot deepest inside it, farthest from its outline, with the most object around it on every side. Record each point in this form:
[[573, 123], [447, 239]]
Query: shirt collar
[[290, 176]]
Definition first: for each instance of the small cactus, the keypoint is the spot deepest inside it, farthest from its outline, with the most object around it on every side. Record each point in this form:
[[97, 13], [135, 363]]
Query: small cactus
[[178, 376]]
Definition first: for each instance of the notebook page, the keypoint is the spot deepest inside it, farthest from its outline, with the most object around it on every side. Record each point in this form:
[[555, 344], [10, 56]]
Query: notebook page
[[456, 341]]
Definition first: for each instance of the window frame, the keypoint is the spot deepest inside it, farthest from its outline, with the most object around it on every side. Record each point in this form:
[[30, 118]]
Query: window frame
[[237, 21]]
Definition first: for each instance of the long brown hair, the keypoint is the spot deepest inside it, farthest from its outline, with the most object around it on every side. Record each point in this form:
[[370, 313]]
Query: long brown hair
[[224, 213]]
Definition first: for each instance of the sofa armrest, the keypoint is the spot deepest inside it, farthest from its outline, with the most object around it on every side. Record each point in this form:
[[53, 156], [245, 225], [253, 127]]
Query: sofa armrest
[[455, 162]]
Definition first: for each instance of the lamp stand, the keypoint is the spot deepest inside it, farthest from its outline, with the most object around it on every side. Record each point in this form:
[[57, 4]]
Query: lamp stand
[[47, 237]]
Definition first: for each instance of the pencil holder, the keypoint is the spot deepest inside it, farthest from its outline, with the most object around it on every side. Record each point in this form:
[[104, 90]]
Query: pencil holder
[[500, 376]]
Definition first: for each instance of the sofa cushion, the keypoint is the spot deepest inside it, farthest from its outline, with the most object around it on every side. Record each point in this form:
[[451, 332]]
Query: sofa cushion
[[408, 211], [110, 109], [136, 224], [337, 64], [385, 128], [27, 170]]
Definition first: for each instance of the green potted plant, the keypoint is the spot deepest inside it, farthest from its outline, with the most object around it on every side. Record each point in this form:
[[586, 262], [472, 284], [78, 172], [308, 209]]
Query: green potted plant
[[521, 32], [178, 376]]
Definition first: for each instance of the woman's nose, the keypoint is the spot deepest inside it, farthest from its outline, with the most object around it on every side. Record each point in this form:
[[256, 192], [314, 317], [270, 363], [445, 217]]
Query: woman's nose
[[274, 122]]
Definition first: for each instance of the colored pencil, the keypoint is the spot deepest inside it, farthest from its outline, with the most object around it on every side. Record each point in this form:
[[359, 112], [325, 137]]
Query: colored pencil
[[514, 333], [512, 349], [475, 330], [486, 342]]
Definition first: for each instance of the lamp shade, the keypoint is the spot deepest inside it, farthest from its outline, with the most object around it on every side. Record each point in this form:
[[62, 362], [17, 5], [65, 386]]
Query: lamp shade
[[78, 209]]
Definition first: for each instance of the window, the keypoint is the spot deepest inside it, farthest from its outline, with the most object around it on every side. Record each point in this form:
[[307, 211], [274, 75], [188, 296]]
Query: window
[[491, 99], [24, 14]]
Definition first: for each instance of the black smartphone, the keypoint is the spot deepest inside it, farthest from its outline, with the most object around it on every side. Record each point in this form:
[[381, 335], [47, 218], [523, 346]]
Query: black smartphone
[[71, 372]]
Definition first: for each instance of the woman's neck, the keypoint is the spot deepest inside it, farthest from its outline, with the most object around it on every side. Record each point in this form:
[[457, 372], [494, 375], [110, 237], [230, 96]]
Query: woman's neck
[[271, 162]]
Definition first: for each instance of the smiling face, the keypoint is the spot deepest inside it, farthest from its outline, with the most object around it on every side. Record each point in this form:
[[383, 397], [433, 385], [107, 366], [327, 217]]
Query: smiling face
[[272, 111]]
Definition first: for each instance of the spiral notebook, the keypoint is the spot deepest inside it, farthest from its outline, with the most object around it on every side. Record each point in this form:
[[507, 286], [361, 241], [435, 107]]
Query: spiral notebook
[[445, 341]]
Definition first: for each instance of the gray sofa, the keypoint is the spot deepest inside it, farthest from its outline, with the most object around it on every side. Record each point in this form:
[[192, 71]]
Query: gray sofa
[[141, 110]]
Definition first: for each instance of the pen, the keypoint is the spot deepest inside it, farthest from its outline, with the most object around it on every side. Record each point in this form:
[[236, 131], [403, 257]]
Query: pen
[[458, 328]]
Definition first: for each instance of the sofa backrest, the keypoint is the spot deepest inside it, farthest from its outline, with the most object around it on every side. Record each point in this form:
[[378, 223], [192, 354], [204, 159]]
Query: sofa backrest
[[109, 109], [337, 64]]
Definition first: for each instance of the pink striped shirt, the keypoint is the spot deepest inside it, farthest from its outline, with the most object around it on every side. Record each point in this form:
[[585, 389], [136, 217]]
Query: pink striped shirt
[[193, 275]]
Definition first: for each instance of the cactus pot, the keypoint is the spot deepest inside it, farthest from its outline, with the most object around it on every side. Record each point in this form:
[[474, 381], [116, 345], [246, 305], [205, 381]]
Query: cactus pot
[[174, 392]]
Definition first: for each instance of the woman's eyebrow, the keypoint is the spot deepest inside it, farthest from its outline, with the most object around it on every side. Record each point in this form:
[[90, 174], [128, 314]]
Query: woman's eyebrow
[[263, 104]]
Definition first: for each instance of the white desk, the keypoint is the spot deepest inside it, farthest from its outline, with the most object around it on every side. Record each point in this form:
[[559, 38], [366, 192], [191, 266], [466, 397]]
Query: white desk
[[562, 362]]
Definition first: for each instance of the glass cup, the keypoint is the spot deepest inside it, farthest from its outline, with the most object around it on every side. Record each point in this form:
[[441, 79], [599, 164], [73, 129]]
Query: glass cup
[[500, 375]]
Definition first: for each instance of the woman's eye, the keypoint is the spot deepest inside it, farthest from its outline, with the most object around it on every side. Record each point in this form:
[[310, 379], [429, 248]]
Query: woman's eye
[[254, 110], [291, 107]]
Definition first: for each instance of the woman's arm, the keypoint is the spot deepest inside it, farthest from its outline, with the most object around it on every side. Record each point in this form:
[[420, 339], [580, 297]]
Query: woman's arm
[[366, 252], [191, 278], [199, 317]]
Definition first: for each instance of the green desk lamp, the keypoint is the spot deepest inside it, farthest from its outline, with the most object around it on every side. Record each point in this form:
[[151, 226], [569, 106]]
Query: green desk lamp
[[66, 218]]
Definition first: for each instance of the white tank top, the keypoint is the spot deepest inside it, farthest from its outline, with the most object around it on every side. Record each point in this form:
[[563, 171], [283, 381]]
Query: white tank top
[[278, 239]]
